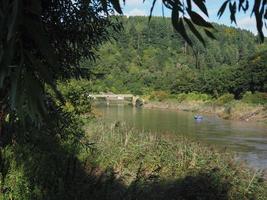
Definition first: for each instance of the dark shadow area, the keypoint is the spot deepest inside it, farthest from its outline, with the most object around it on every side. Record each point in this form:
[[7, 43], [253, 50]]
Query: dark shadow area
[[200, 186]]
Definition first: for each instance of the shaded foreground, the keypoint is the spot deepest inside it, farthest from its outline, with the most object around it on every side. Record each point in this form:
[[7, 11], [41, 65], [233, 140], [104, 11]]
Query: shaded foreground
[[149, 166], [116, 162]]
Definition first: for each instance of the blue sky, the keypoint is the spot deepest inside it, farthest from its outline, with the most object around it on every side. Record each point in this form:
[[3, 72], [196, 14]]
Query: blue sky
[[244, 21]]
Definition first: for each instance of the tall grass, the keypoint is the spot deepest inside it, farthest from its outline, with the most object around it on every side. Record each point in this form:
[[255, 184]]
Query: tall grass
[[174, 166]]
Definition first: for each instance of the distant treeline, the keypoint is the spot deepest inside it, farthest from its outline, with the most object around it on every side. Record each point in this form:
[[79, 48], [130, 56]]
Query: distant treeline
[[149, 56]]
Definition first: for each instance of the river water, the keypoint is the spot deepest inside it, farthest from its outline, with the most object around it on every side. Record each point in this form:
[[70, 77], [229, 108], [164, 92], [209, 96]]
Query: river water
[[248, 140]]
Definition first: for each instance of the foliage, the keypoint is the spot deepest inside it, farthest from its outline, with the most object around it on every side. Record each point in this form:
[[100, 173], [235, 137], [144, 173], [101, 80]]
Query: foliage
[[193, 96], [41, 41], [77, 95], [63, 167], [135, 62], [39, 165], [256, 98], [174, 167], [158, 95], [256, 70], [224, 99]]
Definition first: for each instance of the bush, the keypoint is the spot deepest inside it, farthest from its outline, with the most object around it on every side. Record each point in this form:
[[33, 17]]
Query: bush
[[76, 94], [170, 166], [39, 167], [224, 99], [256, 98], [181, 97], [159, 95], [193, 96]]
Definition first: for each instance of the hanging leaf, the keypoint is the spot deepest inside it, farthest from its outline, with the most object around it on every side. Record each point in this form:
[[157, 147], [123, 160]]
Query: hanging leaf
[[104, 5], [151, 9], [116, 5], [178, 24], [210, 34], [198, 20], [14, 18], [222, 9], [258, 15], [201, 5], [45, 74], [240, 4], [245, 8], [189, 5], [36, 32], [194, 30], [232, 7]]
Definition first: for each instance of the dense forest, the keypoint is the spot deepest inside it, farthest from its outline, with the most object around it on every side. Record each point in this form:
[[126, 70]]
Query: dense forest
[[150, 56]]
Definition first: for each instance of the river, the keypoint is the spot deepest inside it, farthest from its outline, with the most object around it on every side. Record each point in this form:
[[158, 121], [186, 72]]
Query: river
[[248, 140]]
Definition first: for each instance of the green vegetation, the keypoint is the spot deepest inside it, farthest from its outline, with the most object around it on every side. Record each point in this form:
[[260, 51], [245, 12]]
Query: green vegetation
[[149, 166], [169, 167], [146, 58], [76, 94], [44, 151], [256, 98]]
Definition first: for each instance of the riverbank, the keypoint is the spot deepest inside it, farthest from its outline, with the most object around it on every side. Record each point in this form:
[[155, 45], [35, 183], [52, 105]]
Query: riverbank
[[129, 164], [235, 110]]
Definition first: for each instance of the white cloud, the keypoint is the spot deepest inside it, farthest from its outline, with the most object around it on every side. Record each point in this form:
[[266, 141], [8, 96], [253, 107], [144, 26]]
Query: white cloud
[[136, 12], [249, 23]]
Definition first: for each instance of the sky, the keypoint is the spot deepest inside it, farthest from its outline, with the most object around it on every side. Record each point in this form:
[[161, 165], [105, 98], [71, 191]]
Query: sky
[[244, 21]]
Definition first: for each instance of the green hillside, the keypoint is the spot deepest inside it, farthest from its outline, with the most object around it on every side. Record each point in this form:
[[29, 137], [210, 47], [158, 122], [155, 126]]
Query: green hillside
[[146, 57]]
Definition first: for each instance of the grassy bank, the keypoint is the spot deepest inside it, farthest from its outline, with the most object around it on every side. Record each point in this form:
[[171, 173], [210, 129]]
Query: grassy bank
[[112, 161], [252, 107], [141, 165]]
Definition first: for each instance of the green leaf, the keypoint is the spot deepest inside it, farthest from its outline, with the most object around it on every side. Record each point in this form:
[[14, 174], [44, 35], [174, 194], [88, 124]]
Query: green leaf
[[178, 24], [222, 9], [44, 73], [240, 4], [195, 31], [232, 8], [198, 20], [116, 5], [14, 19], [151, 9], [210, 34], [104, 5], [259, 14], [202, 6], [36, 32]]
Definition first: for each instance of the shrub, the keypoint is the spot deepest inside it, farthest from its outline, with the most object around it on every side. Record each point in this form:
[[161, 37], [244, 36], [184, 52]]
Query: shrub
[[181, 97], [168, 166], [76, 94], [159, 95], [256, 98], [225, 99], [193, 96]]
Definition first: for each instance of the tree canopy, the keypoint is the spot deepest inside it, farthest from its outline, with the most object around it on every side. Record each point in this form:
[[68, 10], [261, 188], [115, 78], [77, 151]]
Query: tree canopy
[[145, 58], [42, 41]]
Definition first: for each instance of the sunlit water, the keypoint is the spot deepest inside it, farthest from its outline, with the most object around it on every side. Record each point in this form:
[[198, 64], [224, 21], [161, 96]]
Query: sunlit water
[[248, 140]]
